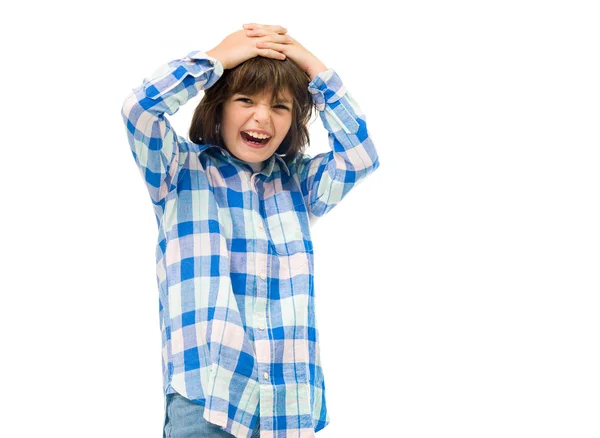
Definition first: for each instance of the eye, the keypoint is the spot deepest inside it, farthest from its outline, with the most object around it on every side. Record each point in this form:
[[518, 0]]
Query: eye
[[250, 101]]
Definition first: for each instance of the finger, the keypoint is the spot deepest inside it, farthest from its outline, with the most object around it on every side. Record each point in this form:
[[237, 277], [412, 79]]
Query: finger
[[264, 30], [272, 46], [270, 53], [282, 39], [262, 33], [255, 32], [278, 29], [275, 27], [274, 42]]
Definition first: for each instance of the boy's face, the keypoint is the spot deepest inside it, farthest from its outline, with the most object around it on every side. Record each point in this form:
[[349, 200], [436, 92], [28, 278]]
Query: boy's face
[[246, 113]]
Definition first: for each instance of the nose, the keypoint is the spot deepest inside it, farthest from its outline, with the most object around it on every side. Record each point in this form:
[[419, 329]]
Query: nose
[[262, 113]]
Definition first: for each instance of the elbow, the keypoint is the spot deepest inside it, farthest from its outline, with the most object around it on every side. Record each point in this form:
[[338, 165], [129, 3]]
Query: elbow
[[375, 164]]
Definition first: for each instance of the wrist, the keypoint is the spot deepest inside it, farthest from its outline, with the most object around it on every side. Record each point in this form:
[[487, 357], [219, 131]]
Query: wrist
[[315, 69], [213, 54]]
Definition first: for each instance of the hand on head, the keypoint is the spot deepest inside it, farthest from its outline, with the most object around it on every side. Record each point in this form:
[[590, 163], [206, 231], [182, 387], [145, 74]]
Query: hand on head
[[239, 47], [270, 41]]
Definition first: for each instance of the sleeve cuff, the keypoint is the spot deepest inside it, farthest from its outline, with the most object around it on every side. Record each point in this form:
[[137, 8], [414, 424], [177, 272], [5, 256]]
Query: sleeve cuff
[[327, 91], [196, 64], [326, 87], [199, 55]]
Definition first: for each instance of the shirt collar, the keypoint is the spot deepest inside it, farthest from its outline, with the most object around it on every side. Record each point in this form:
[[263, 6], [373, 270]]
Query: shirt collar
[[266, 170]]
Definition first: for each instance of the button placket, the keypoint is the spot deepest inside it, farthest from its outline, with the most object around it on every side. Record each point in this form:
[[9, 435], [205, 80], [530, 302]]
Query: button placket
[[262, 271]]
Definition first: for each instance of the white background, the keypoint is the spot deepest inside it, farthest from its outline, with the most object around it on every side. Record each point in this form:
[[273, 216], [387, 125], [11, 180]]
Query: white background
[[457, 287]]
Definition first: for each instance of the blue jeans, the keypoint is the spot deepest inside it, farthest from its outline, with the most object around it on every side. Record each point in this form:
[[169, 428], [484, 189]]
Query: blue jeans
[[183, 419]]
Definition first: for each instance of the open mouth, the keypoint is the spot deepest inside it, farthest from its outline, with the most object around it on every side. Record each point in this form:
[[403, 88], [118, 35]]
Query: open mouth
[[253, 140]]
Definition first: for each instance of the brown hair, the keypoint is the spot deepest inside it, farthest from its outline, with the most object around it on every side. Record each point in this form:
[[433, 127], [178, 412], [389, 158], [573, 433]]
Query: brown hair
[[252, 77]]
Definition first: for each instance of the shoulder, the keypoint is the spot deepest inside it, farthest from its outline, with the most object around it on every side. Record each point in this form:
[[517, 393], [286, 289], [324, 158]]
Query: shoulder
[[186, 145]]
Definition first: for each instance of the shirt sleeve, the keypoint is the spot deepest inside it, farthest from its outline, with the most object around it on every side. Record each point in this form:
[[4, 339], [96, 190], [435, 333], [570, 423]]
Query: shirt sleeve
[[158, 151], [326, 178]]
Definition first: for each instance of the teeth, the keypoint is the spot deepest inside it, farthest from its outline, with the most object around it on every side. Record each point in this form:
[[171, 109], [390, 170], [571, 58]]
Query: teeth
[[256, 135]]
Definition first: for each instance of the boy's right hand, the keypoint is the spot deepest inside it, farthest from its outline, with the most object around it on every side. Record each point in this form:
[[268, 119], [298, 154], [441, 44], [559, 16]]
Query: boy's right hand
[[239, 47]]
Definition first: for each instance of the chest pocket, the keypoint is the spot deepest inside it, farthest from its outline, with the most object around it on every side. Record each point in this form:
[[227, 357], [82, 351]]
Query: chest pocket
[[287, 223]]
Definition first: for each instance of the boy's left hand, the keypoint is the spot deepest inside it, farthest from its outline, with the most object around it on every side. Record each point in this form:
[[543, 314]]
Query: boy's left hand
[[291, 48]]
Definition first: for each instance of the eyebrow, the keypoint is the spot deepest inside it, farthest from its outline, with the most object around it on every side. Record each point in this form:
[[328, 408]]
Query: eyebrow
[[285, 100]]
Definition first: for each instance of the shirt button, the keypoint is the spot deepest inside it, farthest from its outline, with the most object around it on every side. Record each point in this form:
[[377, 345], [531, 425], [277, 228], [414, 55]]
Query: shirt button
[[266, 376], [262, 275], [261, 326], [260, 226]]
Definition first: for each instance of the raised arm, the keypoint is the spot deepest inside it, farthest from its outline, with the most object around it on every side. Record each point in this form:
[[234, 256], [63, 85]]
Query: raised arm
[[326, 178], [156, 148]]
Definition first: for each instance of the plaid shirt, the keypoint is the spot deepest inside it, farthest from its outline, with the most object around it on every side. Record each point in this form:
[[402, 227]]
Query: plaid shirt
[[234, 255]]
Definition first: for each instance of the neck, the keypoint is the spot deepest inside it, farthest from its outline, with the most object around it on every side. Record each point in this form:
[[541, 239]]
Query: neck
[[256, 166]]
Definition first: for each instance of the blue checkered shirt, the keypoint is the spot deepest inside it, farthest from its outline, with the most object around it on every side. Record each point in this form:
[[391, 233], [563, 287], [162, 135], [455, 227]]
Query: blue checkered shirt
[[234, 254]]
